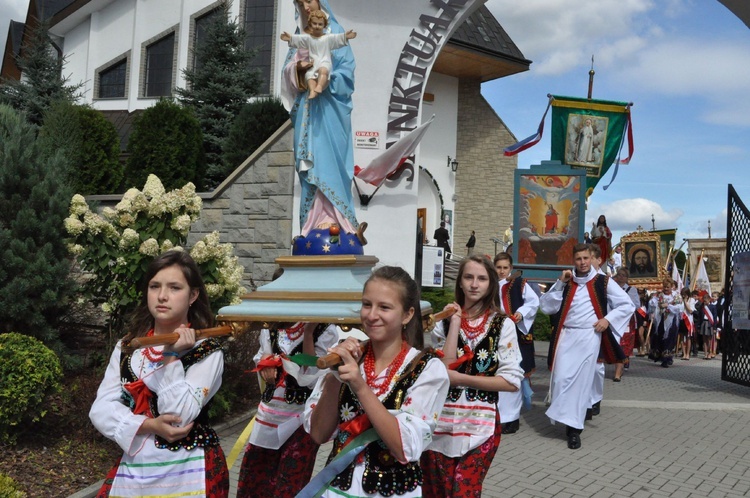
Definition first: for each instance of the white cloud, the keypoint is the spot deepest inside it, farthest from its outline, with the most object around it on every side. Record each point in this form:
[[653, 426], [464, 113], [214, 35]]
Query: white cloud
[[10, 9], [625, 215], [560, 35]]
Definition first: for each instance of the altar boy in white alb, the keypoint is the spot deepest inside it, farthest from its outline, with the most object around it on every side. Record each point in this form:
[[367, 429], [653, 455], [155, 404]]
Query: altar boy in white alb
[[587, 307]]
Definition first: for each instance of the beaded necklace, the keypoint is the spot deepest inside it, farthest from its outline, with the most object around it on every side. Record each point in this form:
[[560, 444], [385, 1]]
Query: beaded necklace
[[474, 331], [153, 355], [369, 363], [295, 332]]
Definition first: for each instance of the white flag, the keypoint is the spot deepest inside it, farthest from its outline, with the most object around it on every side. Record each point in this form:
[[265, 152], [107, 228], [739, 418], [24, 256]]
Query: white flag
[[676, 277], [701, 282]]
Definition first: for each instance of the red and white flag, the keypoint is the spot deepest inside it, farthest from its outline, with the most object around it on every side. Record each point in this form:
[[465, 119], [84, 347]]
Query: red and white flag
[[393, 157]]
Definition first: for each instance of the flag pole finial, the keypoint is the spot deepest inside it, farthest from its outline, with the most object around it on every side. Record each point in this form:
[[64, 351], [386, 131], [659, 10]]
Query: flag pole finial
[[591, 77]]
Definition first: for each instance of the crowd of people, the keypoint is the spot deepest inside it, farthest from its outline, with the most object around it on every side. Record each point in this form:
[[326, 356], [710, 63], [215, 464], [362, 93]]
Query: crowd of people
[[404, 419]]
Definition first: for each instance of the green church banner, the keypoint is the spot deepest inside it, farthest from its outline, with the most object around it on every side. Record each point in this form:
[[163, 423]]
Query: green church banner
[[587, 134]]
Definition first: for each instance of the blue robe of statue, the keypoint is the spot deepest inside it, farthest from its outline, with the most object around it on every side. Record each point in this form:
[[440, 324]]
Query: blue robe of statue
[[324, 156]]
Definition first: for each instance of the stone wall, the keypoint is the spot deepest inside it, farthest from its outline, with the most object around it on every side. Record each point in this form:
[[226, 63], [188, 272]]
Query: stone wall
[[484, 180], [251, 209]]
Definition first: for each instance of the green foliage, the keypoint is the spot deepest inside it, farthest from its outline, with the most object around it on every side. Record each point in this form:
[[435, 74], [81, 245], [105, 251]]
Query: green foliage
[[29, 371], [34, 276], [10, 488], [542, 327], [89, 142], [115, 248], [256, 122], [438, 297], [167, 142], [43, 83], [218, 88]]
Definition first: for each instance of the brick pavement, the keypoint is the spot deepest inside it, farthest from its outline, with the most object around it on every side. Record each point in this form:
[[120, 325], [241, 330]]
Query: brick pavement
[[679, 431]]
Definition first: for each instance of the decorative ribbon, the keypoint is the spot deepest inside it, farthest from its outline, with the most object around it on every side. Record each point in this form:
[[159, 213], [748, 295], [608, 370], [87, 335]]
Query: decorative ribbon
[[142, 396], [318, 484], [531, 141], [240, 443], [467, 356]]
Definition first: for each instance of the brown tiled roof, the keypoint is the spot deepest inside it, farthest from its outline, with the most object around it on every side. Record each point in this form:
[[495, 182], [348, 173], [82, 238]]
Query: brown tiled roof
[[483, 33]]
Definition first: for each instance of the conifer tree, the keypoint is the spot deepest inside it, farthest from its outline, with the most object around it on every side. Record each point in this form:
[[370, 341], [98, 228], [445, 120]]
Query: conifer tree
[[42, 83], [34, 273], [219, 86]]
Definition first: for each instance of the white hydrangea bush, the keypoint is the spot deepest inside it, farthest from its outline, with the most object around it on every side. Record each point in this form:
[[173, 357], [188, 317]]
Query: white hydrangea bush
[[115, 247]]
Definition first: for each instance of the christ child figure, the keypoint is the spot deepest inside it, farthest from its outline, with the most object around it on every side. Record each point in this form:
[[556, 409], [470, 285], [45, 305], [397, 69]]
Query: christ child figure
[[319, 44]]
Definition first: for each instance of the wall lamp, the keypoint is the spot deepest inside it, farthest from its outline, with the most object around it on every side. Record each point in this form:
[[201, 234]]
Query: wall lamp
[[452, 164]]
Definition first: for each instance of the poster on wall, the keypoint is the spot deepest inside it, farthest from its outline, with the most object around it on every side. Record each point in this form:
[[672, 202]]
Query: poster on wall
[[433, 269], [741, 291]]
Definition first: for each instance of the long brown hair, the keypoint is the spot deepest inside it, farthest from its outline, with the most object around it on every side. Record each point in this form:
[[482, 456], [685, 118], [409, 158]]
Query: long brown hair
[[409, 294], [199, 313], [492, 300]]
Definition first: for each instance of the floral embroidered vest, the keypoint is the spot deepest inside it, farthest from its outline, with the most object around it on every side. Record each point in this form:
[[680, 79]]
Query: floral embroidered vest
[[202, 435], [484, 363], [383, 473], [294, 393]]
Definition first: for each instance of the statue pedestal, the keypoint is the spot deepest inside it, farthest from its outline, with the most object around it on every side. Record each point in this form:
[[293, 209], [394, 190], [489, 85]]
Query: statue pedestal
[[318, 289]]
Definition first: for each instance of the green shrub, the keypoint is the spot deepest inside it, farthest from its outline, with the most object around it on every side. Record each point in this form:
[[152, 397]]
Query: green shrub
[[9, 488], [29, 371], [167, 142], [90, 144], [438, 297], [253, 125], [542, 327]]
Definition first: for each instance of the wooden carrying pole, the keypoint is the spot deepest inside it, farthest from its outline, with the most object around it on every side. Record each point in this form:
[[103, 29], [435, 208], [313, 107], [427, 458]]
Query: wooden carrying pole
[[333, 360], [168, 339]]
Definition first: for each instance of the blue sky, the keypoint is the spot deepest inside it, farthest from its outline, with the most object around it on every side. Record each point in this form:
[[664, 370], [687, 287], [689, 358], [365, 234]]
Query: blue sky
[[685, 64]]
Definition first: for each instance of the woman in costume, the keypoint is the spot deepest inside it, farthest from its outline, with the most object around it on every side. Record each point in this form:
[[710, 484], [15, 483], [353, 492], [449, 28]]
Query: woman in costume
[[153, 401], [323, 150], [602, 236], [481, 350], [281, 455], [391, 387]]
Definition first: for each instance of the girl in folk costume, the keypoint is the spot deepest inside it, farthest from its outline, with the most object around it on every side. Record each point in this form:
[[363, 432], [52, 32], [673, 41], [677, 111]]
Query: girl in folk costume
[[666, 310], [602, 236], [153, 402], [280, 454], [519, 301], [396, 390], [481, 348], [687, 326]]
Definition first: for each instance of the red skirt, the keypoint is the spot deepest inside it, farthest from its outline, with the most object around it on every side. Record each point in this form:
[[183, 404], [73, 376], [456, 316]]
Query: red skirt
[[459, 477], [278, 473]]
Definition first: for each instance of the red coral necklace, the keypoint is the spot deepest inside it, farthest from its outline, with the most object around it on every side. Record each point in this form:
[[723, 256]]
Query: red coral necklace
[[153, 355], [295, 332], [380, 387], [474, 331]]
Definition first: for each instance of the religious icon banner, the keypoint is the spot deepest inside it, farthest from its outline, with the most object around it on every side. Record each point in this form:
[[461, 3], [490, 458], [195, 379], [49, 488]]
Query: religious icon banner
[[587, 134], [548, 219]]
